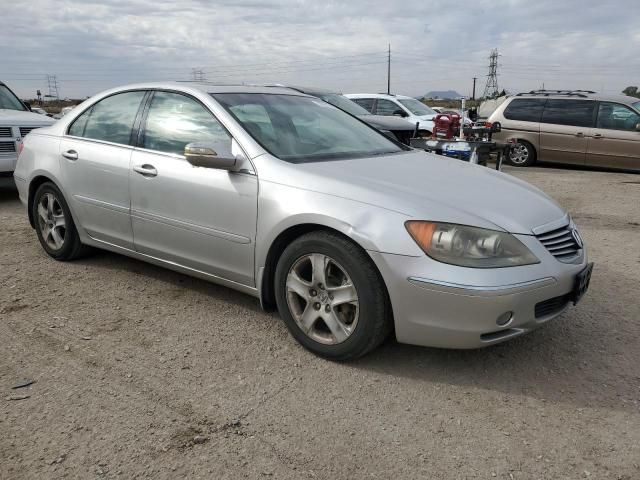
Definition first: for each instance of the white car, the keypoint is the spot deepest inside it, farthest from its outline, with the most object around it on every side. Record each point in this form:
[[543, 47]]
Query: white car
[[408, 108], [16, 121]]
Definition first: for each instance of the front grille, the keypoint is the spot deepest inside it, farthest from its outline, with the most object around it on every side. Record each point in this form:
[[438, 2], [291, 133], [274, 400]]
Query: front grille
[[5, 132], [551, 306], [7, 147], [25, 130], [561, 243]]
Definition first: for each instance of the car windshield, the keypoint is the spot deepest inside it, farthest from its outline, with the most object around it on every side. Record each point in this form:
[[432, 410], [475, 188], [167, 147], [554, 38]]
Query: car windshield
[[303, 129], [343, 103], [416, 107], [9, 101]]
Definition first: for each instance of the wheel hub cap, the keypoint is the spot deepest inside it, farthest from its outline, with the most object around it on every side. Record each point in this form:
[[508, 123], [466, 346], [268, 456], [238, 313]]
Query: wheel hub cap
[[322, 299]]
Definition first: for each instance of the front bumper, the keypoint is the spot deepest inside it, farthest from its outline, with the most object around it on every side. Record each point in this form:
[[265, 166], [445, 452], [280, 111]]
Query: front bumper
[[441, 305], [8, 163]]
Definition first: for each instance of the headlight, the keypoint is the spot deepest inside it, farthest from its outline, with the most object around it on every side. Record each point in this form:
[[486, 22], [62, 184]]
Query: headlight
[[469, 246]]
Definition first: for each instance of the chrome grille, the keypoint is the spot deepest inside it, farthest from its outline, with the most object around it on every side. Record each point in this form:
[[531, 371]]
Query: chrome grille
[[561, 243], [5, 132], [25, 130], [7, 147]]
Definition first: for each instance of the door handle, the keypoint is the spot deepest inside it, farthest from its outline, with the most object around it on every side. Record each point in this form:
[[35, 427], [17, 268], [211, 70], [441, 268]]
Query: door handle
[[70, 155], [597, 135], [146, 170], [579, 134]]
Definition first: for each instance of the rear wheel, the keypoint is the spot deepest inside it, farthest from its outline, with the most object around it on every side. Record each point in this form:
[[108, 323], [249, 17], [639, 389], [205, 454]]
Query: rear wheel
[[331, 296], [522, 154], [54, 226]]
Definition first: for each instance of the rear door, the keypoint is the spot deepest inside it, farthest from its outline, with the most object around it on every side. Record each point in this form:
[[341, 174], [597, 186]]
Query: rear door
[[615, 140], [366, 103], [564, 130], [95, 155]]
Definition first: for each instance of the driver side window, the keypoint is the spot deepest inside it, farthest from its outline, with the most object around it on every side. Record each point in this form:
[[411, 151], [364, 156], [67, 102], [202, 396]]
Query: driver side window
[[386, 107], [613, 116], [174, 120]]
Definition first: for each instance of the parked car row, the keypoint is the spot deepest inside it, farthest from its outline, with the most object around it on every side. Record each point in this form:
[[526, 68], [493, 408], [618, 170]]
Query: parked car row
[[350, 234]]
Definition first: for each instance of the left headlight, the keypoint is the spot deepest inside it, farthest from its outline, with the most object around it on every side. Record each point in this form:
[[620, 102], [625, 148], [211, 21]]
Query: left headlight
[[469, 246]]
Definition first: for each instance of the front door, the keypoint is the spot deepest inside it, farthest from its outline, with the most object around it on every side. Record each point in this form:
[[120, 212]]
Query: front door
[[200, 218], [615, 141], [564, 130], [94, 163]]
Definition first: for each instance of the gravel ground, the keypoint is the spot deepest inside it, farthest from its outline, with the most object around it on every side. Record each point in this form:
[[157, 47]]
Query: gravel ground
[[141, 372]]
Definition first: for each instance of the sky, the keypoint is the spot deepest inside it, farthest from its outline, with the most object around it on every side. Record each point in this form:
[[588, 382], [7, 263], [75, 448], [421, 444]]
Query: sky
[[435, 45]]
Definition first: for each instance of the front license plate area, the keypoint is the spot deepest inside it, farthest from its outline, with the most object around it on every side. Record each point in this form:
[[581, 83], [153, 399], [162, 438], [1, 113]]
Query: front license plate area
[[582, 283]]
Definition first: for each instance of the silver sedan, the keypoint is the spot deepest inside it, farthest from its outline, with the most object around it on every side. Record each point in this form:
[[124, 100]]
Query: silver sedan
[[349, 234]]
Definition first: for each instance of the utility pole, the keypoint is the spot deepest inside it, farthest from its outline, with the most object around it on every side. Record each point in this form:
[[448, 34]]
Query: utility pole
[[491, 88], [473, 95], [389, 71], [52, 84]]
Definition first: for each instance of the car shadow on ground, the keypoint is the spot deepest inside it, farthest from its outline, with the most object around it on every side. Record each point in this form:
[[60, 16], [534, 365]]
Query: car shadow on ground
[[8, 190]]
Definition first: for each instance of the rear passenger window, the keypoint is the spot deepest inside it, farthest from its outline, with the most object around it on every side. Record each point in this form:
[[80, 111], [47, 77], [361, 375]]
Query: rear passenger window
[[111, 119], [576, 113], [366, 103], [525, 109]]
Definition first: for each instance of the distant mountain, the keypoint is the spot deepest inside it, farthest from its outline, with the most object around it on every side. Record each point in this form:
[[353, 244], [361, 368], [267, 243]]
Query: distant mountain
[[443, 94]]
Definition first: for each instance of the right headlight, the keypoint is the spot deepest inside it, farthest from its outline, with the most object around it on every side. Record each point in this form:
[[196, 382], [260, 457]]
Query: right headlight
[[469, 246]]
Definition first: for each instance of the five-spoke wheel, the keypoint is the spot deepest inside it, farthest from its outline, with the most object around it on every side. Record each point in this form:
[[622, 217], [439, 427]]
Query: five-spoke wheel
[[331, 296]]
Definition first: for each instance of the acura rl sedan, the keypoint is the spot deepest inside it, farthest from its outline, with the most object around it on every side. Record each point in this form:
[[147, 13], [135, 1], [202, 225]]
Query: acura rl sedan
[[348, 233]]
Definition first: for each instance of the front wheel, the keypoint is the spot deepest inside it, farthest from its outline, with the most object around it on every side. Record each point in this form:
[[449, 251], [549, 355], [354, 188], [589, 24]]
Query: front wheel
[[331, 297], [522, 154]]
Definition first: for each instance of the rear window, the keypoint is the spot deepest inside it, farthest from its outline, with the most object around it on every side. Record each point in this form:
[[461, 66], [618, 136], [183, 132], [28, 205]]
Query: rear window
[[525, 109], [576, 113]]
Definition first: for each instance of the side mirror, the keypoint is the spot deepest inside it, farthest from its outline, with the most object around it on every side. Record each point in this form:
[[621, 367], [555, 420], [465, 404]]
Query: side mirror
[[28, 105], [637, 127], [210, 155], [400, 113]]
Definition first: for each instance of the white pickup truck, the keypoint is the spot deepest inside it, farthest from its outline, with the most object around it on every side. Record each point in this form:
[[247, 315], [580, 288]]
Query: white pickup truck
[[16, 121]]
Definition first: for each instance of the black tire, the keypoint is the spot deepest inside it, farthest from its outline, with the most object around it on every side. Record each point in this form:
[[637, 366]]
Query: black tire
[[522, 154], [71, 246], [374, 318]]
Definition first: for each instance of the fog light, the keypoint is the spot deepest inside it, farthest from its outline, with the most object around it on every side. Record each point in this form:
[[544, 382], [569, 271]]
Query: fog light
[[504, 319]]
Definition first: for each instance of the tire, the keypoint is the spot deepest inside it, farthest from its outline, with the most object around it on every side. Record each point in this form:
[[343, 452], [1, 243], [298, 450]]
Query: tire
[[340, 313], [522, 154], [54, 225]]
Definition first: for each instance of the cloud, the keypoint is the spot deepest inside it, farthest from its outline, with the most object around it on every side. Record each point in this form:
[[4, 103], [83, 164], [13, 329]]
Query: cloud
[[436, 45]]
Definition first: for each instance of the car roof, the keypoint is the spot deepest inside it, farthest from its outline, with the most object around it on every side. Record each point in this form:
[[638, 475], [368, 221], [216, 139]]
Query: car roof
[[389, 96], [579, 95], [209, 88], [314, 91]]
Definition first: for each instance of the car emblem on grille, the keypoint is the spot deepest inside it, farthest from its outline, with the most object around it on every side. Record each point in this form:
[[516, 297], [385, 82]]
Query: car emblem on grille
[[576, 236]]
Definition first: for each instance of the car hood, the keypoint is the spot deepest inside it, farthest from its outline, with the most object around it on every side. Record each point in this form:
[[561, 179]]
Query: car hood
[[430, 187], [387, 123], [16, 117]]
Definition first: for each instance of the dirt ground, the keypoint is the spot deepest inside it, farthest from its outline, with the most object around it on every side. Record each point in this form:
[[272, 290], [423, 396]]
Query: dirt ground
[[144, 373]]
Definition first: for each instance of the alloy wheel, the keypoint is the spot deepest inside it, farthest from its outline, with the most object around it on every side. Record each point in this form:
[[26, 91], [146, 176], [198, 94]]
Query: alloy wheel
[[322, 298], [519, 154], [52, 222]]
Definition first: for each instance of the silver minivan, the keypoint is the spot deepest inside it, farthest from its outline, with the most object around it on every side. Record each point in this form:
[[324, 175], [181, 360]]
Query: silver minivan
[[571, 127]]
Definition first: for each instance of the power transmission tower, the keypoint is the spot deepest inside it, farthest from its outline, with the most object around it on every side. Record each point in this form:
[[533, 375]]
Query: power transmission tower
[[198, 75], [52, 84], [491, 88]]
